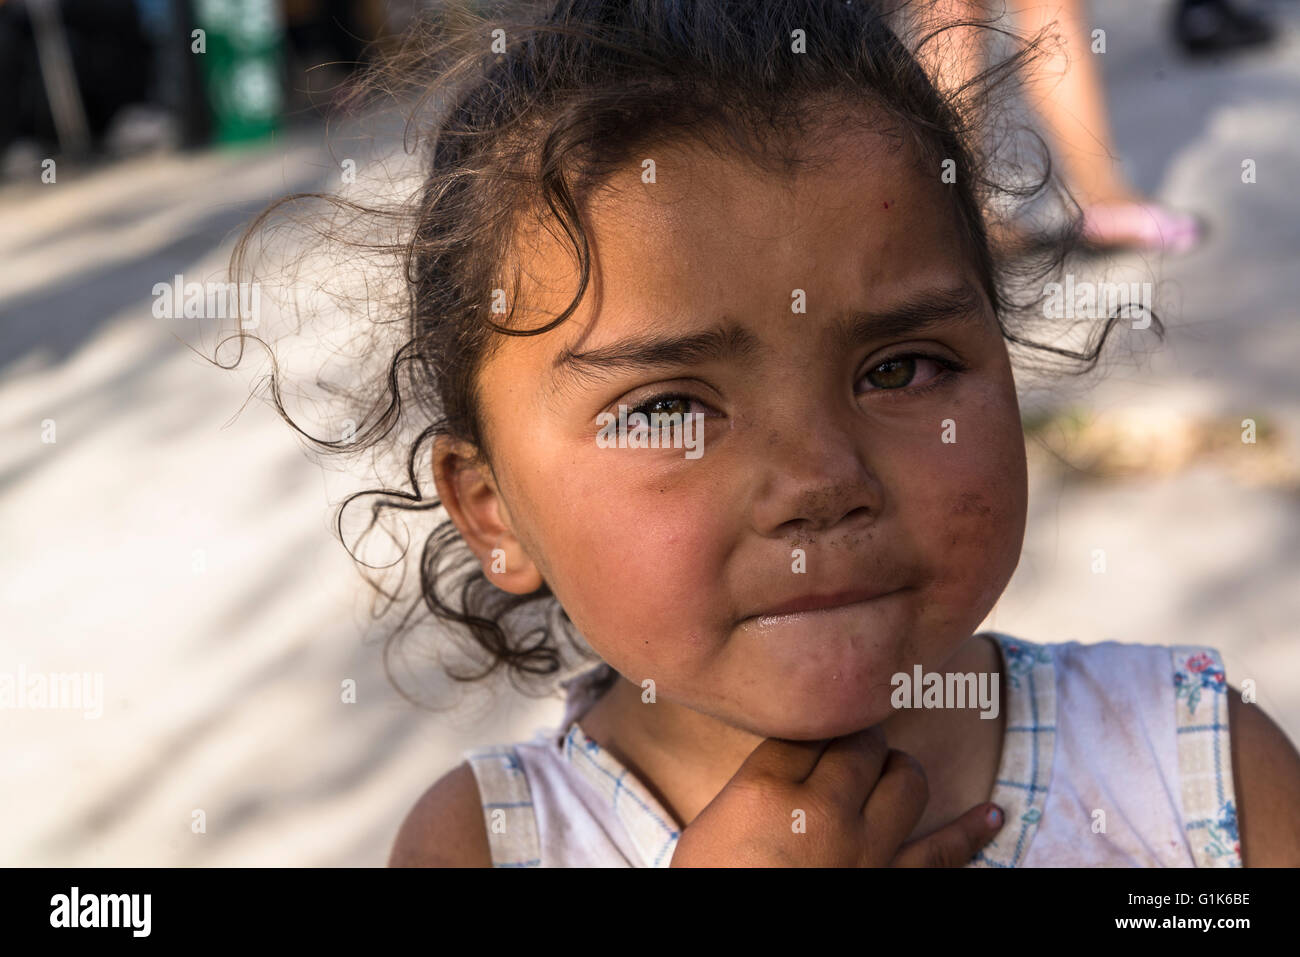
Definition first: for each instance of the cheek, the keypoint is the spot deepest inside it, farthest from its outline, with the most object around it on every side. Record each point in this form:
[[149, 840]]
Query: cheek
[[969, 510], [631, 560]]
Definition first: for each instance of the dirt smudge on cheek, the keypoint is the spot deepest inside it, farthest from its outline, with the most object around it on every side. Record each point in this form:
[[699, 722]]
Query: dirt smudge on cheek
[[975, 552], [972, 503], [969, 518]]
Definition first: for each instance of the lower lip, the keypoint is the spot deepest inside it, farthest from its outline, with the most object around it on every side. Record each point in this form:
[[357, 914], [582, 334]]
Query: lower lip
[[814, 614]]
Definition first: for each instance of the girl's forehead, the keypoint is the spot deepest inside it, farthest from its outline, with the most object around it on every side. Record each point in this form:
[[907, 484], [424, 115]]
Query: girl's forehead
[[693, 185], [710, 232]]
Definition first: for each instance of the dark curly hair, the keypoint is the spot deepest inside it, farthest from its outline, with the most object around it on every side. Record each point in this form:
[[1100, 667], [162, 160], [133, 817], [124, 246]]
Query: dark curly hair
[[526, 107]]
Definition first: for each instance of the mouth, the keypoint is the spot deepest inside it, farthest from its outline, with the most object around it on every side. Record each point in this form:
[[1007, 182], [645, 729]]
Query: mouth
[[808, 606]]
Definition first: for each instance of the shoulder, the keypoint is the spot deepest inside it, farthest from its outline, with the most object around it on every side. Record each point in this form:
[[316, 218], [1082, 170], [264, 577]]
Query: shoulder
[[1093, 675], [445, 827], [1117, 661], [1266, 777]]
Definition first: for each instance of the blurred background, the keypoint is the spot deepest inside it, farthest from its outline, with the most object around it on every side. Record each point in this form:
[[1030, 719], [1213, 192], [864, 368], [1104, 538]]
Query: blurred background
[[162, 532]]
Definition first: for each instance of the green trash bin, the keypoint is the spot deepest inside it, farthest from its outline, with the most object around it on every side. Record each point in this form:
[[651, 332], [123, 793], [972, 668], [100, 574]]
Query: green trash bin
[[242, 66]]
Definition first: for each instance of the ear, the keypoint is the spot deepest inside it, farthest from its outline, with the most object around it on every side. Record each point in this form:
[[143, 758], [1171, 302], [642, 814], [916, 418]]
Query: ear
[[469, 492]]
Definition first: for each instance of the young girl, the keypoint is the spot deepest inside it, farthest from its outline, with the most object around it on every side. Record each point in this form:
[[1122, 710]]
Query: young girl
[[714, 343]]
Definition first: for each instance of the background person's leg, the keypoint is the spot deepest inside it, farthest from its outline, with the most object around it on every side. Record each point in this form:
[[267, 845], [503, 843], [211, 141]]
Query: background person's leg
[[1065, 90]]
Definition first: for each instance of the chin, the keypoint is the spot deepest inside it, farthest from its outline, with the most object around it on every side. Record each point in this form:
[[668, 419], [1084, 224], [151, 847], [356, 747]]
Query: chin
[[824, 673], [834, 719], [819, 707]]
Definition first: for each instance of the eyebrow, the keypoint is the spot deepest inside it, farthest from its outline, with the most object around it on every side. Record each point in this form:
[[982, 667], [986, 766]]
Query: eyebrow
[[734, 342], [923, 311], [656, 352]]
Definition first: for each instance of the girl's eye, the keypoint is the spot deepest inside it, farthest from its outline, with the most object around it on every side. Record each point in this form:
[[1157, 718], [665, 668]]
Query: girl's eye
[[900, 372], [668, 404]]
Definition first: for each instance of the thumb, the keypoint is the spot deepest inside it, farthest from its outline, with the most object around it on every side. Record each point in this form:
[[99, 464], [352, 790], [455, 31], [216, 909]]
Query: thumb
[[954, 844]]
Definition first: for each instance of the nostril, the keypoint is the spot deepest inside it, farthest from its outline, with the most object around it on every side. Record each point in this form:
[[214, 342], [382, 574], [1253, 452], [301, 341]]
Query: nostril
[[825, 507], [804, 528]]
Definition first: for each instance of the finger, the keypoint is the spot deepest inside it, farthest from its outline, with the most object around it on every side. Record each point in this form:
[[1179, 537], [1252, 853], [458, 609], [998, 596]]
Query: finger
[[780, 760], [850, 767], [895, 805], [956, 843]]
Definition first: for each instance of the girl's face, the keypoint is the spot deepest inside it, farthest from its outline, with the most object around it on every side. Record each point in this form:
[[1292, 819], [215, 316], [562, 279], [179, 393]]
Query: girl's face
[[862, 447]]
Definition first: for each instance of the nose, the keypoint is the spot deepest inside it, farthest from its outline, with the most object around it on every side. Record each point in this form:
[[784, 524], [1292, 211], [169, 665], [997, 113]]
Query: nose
[[814, 480]]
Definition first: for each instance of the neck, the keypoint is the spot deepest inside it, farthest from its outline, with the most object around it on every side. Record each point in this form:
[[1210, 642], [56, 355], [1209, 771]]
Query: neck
[[685, 758]]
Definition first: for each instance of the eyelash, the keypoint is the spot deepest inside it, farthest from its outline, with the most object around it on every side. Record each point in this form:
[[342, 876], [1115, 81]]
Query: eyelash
[[643, 405], [950, 368]]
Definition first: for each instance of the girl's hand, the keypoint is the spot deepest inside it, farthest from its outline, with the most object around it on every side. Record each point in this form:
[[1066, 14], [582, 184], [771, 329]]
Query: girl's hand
[[859, 798]]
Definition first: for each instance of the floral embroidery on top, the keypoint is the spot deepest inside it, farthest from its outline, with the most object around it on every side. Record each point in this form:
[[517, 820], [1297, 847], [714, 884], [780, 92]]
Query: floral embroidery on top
[[1028, 747], [1205, 756], [1021, 658], [1224, 840], [1200, 673]]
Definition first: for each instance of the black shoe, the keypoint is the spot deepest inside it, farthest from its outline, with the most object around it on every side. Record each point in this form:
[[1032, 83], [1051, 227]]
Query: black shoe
[[1216, 26]]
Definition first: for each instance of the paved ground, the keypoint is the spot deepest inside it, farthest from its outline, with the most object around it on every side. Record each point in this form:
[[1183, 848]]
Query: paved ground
[[187, 555]]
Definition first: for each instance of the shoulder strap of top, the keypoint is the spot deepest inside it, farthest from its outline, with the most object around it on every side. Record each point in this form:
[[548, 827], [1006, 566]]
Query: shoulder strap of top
[[1028, 749], [507, 807], [1205, 756]]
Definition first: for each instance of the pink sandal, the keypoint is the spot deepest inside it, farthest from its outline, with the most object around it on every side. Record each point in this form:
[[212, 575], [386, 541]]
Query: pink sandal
[[1145, 226]]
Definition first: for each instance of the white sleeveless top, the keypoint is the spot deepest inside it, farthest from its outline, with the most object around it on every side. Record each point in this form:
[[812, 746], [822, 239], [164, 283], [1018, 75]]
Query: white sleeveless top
[[1114, 755]]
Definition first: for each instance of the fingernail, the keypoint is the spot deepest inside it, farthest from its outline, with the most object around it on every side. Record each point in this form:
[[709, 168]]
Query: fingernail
[[994, 817]]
